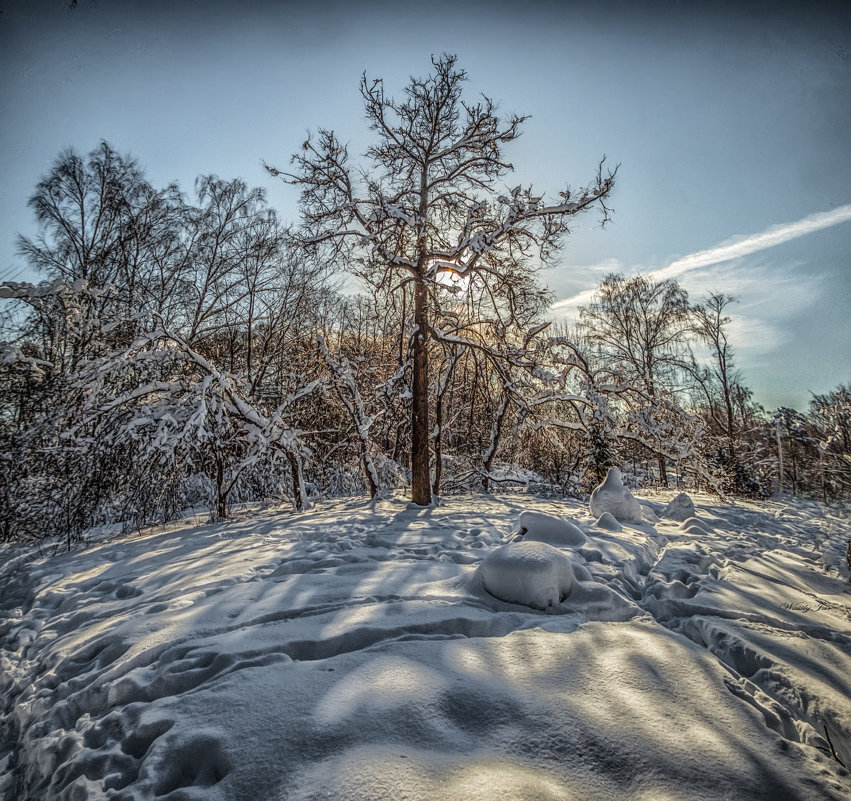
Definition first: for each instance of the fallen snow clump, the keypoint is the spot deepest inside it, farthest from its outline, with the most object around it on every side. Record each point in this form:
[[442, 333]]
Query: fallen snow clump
[[608, 522]]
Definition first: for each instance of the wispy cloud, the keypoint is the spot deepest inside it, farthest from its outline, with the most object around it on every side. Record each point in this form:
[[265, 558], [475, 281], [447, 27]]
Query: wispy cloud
[[740, 246], [730, 280], [568, 306]]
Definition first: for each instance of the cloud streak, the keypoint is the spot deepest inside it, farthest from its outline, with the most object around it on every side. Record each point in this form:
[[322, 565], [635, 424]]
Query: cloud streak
[[729, 250], [566, 306], [737, 247]]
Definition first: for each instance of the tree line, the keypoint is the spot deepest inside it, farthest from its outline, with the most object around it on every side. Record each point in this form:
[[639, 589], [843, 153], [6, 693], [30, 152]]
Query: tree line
[[196, 351]]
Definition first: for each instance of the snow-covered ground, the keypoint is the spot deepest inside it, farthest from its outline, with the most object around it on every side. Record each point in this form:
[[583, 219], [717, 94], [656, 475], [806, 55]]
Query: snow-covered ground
[[353, 652]]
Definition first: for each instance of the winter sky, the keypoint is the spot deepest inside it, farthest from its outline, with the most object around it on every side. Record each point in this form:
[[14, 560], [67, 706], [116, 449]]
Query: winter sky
[[731, 123]]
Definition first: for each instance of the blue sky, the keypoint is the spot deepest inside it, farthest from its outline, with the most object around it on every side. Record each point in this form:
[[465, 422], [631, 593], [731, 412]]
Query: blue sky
[[730, 121]]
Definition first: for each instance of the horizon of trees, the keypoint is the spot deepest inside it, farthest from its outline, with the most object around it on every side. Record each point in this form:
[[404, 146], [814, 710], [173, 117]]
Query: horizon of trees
[[196, 351]]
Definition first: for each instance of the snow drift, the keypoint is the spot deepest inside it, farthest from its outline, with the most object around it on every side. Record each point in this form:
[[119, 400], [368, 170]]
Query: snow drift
[[355, 651]]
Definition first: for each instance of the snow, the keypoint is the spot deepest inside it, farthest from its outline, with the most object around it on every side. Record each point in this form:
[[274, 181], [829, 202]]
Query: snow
[[609, 522], [680, 508], [539, 527], [694, 525], [529, 573], [613, 497], [356, 651]]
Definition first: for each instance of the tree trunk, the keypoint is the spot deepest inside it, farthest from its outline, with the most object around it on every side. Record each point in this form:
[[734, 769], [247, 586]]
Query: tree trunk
[[496, 432], [420, 472], [402, 351], [663, 473], [443, 384], [438, 457], [299, 497], [731, 430], [221, 492], [369, 469]]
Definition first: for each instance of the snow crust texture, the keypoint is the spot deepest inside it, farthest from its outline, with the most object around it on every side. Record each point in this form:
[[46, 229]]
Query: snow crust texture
[[378, 651], [613, 497]]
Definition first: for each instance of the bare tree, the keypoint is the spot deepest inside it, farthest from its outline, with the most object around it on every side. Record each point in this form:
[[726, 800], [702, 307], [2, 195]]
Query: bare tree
[[830, 416], [640, 326], [347, 391], [710, 324], [428, 205], [163, 363], [102, 227]]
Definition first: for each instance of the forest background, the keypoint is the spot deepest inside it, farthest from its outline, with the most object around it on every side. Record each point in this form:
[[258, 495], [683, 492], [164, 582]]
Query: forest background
[[184, 351]]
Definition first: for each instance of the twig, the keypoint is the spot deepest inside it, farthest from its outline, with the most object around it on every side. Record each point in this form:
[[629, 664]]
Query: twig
[[832, 749]]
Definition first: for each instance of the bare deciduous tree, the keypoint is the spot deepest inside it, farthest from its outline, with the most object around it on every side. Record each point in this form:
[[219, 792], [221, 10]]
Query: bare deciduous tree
[[640, 326], [428, 205], [710, 325]]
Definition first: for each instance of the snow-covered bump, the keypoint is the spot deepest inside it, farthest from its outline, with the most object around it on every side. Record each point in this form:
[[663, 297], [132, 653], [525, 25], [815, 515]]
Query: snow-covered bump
[[649, 514], [694, 525], [680, 508], [608, 522], [613, 497], [540, 527], [529, 573]]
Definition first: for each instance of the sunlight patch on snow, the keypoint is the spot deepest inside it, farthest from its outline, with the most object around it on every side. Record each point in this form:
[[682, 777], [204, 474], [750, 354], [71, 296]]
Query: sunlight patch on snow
[[417, 774], [381, 684]]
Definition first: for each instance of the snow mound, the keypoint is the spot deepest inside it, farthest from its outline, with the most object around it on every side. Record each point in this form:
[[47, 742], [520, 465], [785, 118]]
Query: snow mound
[[540, 527], [680, 508], [694, 525], [613, 497], [608, 522], [529, 573]]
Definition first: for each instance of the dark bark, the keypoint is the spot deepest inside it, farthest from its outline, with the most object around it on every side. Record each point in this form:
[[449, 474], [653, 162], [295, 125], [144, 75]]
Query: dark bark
[[438, 428], [496, 433], [296, 477], [420, 472], [221, 492], [663, 472]]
